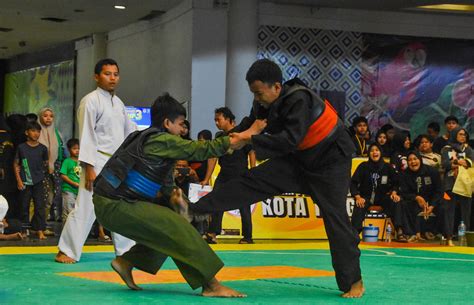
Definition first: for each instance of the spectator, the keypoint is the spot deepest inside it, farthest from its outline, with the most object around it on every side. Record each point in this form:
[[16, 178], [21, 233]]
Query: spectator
[[103, 126], [51, 138], [31, 167], [382, 140], [433, 130], [7, 177], [186, 130], [361, 128], [389, 130], [425, 147], [450, 122], [70, 174], [232, 166], [11, 229], [201, 166], [17, 124], [401, 146], [31, 117], [457, 153], [374, 182], [420, 192]]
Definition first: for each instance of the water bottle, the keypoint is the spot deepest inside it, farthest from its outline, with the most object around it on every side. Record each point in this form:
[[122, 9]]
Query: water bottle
[[462, 234], [388, 234]]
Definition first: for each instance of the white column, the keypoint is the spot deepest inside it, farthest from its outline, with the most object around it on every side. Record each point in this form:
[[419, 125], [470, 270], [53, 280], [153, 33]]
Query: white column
[[241, 53]]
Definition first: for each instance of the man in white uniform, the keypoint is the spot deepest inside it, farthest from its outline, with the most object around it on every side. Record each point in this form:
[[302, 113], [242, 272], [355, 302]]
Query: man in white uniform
[[103, 125]]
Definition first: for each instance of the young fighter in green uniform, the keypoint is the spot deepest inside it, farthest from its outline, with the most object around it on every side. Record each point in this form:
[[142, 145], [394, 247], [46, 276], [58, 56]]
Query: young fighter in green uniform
[[132, 197]]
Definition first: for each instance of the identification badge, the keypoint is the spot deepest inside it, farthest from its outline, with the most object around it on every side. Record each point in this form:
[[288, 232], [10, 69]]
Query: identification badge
[[384, 180]]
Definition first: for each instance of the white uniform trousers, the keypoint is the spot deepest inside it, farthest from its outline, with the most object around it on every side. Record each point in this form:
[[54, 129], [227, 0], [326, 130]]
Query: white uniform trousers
[[79, 222]]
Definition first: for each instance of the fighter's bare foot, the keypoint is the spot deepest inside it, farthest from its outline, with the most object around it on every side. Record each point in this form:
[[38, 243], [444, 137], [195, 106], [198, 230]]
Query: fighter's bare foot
[[124, 269], [357, 290], [63, 258], [216, 290]]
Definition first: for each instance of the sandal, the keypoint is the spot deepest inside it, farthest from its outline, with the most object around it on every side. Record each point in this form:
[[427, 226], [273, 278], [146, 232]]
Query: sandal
[[429, 236], [412, 239]]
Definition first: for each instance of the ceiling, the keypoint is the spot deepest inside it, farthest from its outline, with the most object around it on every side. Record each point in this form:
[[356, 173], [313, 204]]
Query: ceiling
[[83, 17]]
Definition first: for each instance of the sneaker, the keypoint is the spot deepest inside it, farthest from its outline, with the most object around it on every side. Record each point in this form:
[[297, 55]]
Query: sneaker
[[246, 241]]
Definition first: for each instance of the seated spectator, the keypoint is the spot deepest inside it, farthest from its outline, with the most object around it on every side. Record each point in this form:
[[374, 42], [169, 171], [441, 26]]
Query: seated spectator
[[401, 146], [420, 192], [382, 140], [11, 228], [450, 122], [360, 127], [457, 153], [433, 130], [184, 175], [389, 131], [7, 177], [374, 182], [425, 147]]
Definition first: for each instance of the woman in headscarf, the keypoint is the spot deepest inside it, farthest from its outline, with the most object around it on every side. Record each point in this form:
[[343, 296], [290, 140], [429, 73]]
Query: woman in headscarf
[[381, 138], [51, 138], [374, 182], [420, 192], [401, 145], [454, 155]]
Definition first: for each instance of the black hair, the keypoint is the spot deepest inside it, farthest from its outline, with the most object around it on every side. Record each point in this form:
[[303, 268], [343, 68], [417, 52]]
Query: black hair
[[226, 113], [165, 107], [386, 127], [205, 134], [359, 119], [451, 118], [33, 126], [104, 62], [31, 117], [3, 123], [265, 71], [435, 126], [418, 139], [188, 126], [72, 142]]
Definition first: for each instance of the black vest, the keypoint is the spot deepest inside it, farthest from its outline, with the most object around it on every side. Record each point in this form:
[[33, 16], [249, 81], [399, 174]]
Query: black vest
[[131, 175]]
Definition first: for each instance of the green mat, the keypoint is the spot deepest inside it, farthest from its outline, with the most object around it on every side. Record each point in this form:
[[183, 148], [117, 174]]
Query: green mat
[[391, 276]]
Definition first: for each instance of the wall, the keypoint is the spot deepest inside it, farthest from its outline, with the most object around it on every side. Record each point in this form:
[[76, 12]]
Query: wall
[[409, 23]]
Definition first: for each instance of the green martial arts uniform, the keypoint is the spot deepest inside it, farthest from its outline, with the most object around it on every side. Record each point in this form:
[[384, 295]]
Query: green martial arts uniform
[[158, 230]]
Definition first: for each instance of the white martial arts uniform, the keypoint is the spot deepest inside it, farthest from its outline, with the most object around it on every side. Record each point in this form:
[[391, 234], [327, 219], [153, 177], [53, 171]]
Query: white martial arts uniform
[[103, 125]]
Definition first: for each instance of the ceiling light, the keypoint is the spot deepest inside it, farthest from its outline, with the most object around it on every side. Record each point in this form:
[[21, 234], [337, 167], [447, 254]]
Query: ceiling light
[[448, 7], [120, 5]]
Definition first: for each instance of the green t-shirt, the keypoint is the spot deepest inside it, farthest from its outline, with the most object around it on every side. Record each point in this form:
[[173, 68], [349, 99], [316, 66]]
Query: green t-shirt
[[72, 170]]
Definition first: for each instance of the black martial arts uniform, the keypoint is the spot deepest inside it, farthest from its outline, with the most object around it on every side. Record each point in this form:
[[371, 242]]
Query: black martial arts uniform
[[309, 152]]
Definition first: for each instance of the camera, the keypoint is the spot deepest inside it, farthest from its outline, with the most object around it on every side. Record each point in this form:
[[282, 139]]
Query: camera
[[183, 171]]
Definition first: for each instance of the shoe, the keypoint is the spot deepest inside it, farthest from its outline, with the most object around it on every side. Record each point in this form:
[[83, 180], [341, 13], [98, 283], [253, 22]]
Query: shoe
[[210, 239], [48, 232], [246, 241]]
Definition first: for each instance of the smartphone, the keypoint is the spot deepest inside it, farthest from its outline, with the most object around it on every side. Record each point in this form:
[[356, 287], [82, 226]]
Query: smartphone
[[183, 171]]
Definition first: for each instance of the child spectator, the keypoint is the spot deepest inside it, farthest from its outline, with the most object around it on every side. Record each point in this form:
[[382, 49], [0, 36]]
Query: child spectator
[[70, 173], [31, 167]]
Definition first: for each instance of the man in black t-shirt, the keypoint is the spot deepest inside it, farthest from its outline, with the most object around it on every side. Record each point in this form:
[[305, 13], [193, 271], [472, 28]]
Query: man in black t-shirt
[[232, 166]]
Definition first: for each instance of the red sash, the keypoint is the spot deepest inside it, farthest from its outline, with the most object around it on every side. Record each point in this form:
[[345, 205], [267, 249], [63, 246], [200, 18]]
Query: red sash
[[321, 128]]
